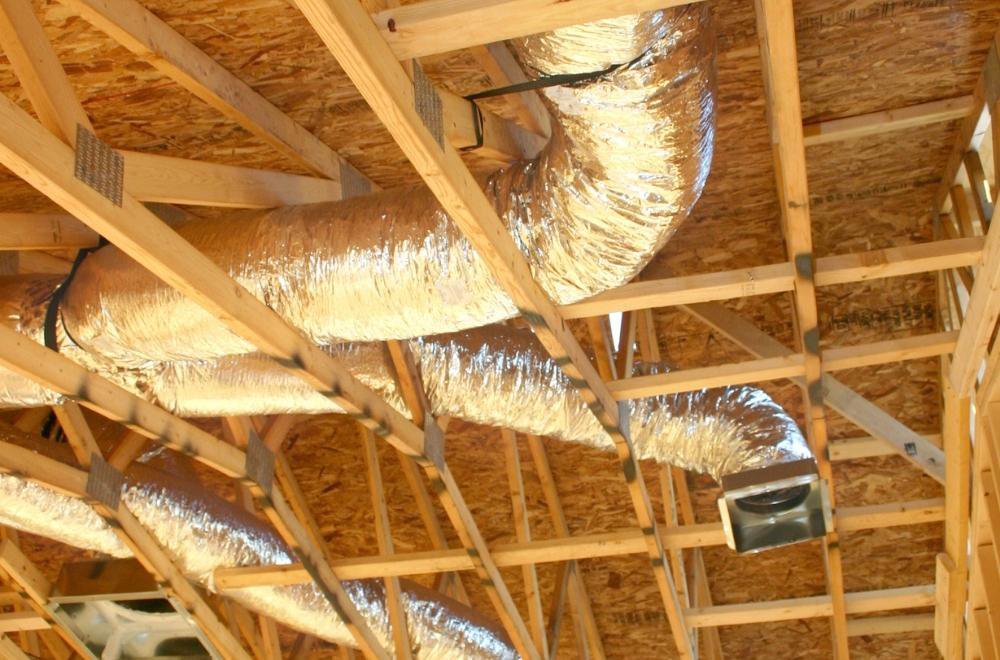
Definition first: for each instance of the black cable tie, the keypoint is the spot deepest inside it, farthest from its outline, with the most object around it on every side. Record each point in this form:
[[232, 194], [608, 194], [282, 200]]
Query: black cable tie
[[52, 311], [556, 80]]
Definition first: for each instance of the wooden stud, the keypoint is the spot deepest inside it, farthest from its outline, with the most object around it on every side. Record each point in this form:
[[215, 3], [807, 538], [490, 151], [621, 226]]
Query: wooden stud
[[775, 278], [439, 26], [77, 431], [383, 535], [522, 531], [884, 121], [589, 546]]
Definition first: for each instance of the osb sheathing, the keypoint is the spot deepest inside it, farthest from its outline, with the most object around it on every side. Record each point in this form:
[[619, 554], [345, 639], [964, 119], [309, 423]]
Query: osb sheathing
[[854, 57]]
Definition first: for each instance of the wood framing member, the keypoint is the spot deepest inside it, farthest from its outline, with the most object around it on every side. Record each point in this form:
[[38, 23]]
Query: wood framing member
[[779, 64], [579, 598], [783, 366], [883, 121], [44, 231], [438, 26], [984, 305], [775, 278], [589, 546], [859, 602], [366, 58]]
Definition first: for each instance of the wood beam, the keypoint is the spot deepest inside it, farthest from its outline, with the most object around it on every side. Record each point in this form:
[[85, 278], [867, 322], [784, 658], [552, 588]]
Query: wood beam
[[156, 178], [44, 231], [884, 121], [579, 599], [589, 546], [890, 625], [364, 55], [859, 602], [383, 537], [866, 446], [775, 278], [502, 69], [438, 26], [522, 531], [41, 76]]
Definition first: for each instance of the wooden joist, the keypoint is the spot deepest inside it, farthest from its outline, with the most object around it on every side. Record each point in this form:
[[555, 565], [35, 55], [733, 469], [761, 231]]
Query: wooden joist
[[775, 278], [858, 602], [44, 231], [883, 121], [783, 366], [366, 58], [568, 548], [438, 26]]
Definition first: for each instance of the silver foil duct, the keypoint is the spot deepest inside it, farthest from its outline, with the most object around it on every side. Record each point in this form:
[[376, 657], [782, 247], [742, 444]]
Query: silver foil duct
[[501, 376], [628, 158], [202, 532]]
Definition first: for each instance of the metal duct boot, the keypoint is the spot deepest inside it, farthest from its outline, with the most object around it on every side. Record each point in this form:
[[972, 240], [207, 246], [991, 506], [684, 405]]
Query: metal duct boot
[[773, 506]]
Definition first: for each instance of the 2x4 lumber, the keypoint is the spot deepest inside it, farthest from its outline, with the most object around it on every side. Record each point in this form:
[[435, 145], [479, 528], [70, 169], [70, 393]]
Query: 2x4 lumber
[[985, 93], [883, 121], [957, 448], [779, 64], [775, 278], [18, 621], [129, 448], [152, 40], [78, 435], [39, 72], [980, 187], [11, 651], [44, 231], [156, 178], [383, 537], [784, 366], [859, 602], [981, 315], [522, 532], [913, 447], [867, 446], [579, 598], [51, 370], [366, 58], [989, 574], [439, 26], [607, 544], [890, 625], [502, 69]]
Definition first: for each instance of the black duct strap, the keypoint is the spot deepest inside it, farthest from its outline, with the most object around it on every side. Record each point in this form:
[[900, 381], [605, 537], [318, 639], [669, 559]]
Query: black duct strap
[[555, 80], [52, 311]]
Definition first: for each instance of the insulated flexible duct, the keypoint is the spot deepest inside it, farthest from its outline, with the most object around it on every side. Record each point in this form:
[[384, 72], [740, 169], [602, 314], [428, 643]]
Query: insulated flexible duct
[[202, 532], [628, 158]]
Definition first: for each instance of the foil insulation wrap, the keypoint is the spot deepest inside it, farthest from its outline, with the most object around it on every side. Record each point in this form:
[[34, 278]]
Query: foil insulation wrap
[[23, 301], [501, 376], [628, 159], [202, 532]]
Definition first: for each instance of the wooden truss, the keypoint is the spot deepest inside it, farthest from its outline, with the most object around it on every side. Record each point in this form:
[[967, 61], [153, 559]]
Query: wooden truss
[[376, 52]]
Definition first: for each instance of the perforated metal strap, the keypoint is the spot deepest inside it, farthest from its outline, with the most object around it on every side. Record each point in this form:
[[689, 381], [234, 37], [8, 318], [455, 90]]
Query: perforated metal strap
[[99, 166], [353, 183], [428, 104], [260, 463], [105, 482]]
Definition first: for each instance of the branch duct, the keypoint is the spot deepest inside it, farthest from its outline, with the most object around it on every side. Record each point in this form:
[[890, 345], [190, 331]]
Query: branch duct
[[203, 532]]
